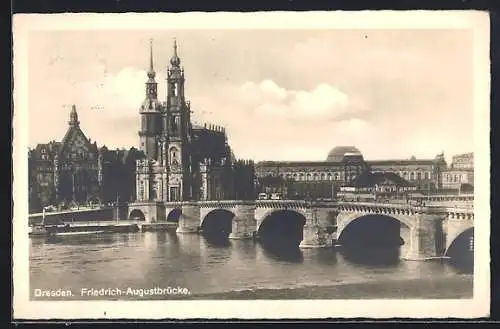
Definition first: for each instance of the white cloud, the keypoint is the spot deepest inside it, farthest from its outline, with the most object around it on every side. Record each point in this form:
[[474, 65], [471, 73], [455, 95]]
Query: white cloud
[[116, 95], [323, 102]]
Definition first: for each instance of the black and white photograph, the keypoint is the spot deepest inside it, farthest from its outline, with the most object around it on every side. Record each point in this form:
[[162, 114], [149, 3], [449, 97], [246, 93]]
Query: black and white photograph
[[283, 164]]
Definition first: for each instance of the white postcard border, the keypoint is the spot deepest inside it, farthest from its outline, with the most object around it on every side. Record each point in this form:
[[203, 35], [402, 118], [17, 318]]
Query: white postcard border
[[478, 306]]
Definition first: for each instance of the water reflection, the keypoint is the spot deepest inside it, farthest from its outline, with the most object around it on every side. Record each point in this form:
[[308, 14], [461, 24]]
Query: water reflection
[[282, 250], [208, 265], [81, 239], [464, 264], [326, 256], [376, 256], [217, 240]]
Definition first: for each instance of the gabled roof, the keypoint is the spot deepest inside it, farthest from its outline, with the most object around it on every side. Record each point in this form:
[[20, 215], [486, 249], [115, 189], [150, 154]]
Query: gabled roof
[[72, 131]]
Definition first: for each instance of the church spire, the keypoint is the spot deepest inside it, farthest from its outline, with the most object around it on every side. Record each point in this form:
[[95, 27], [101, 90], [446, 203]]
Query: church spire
[[151, 86], [151, 71], [175, 60], [73, 117]]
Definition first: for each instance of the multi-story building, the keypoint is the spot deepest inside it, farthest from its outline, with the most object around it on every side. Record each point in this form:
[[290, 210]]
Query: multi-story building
[[311, 178], [65, 171], [341, 168], [463, 161], [460, 174], [183, 161], [424, 174], [75, 171]]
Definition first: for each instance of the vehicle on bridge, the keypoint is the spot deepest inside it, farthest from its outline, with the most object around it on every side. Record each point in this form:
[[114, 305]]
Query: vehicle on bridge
[[270, 196], [276, 196], [353, 196], [263, 196]]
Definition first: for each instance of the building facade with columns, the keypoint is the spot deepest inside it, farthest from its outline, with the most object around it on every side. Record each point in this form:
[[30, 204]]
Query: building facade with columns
[[344, 164], [75, 171], [183, 161], [302, 179]]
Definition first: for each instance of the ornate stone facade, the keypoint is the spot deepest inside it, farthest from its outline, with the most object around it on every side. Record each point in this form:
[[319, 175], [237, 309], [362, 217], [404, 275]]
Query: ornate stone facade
[[75, 171], [183, 161]]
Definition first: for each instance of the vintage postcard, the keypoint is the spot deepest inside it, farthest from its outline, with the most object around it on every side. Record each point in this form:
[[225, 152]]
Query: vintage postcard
[[252, 166]]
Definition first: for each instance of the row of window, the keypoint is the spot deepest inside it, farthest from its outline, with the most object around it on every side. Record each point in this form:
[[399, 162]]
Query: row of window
[[340, 176], [316, 176], [80, 155], [415, 175], [454, 178]]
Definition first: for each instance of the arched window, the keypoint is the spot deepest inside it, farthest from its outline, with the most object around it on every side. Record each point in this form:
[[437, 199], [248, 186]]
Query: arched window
[[173, 127], [405, 174], [412, 176], [176, 89], [419, 176], [174, 156]]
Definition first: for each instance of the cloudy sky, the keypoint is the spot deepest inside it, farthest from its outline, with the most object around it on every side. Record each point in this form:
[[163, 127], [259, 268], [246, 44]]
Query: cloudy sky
[[281, 94]]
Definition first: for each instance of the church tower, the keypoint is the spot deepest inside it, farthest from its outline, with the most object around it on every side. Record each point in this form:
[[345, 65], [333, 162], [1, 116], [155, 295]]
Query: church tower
[[150, 113], [177, 123]]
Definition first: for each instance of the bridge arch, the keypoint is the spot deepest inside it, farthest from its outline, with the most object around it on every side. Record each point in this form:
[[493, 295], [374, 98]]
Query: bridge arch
[[373, 229], [460, 241], [136, 214], [174, 215], [282, 226], [217, 222]]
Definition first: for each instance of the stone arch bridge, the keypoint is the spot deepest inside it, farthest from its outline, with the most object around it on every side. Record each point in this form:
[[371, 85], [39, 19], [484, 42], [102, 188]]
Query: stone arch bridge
[[432, 229]]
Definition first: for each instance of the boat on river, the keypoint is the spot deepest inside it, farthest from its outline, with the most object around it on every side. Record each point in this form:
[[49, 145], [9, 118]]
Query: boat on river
[[61, 229]]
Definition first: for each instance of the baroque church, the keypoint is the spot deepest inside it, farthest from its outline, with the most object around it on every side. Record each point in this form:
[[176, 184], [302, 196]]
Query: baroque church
[[184, 161]]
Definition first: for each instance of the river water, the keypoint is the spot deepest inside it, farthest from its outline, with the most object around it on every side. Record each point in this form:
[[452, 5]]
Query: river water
[[222, 269]]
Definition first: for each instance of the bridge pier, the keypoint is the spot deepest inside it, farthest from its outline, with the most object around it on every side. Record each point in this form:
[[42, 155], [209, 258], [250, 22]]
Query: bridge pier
[[244, 224], [189, 221], [317, 232], [426, 237]]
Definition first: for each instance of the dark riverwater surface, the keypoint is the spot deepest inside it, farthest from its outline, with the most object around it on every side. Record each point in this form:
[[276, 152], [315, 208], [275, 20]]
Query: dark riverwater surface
[[172, 263]]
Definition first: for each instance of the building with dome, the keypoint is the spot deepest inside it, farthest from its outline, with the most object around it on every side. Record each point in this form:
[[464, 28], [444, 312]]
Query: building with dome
[[312, 178], [184, 161], [343, 165]]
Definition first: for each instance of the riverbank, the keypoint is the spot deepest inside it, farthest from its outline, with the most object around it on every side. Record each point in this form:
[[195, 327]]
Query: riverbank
[[457, 287]]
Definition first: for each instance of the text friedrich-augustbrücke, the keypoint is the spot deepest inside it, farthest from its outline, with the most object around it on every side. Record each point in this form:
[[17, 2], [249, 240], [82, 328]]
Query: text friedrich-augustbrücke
[[112, 292]]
